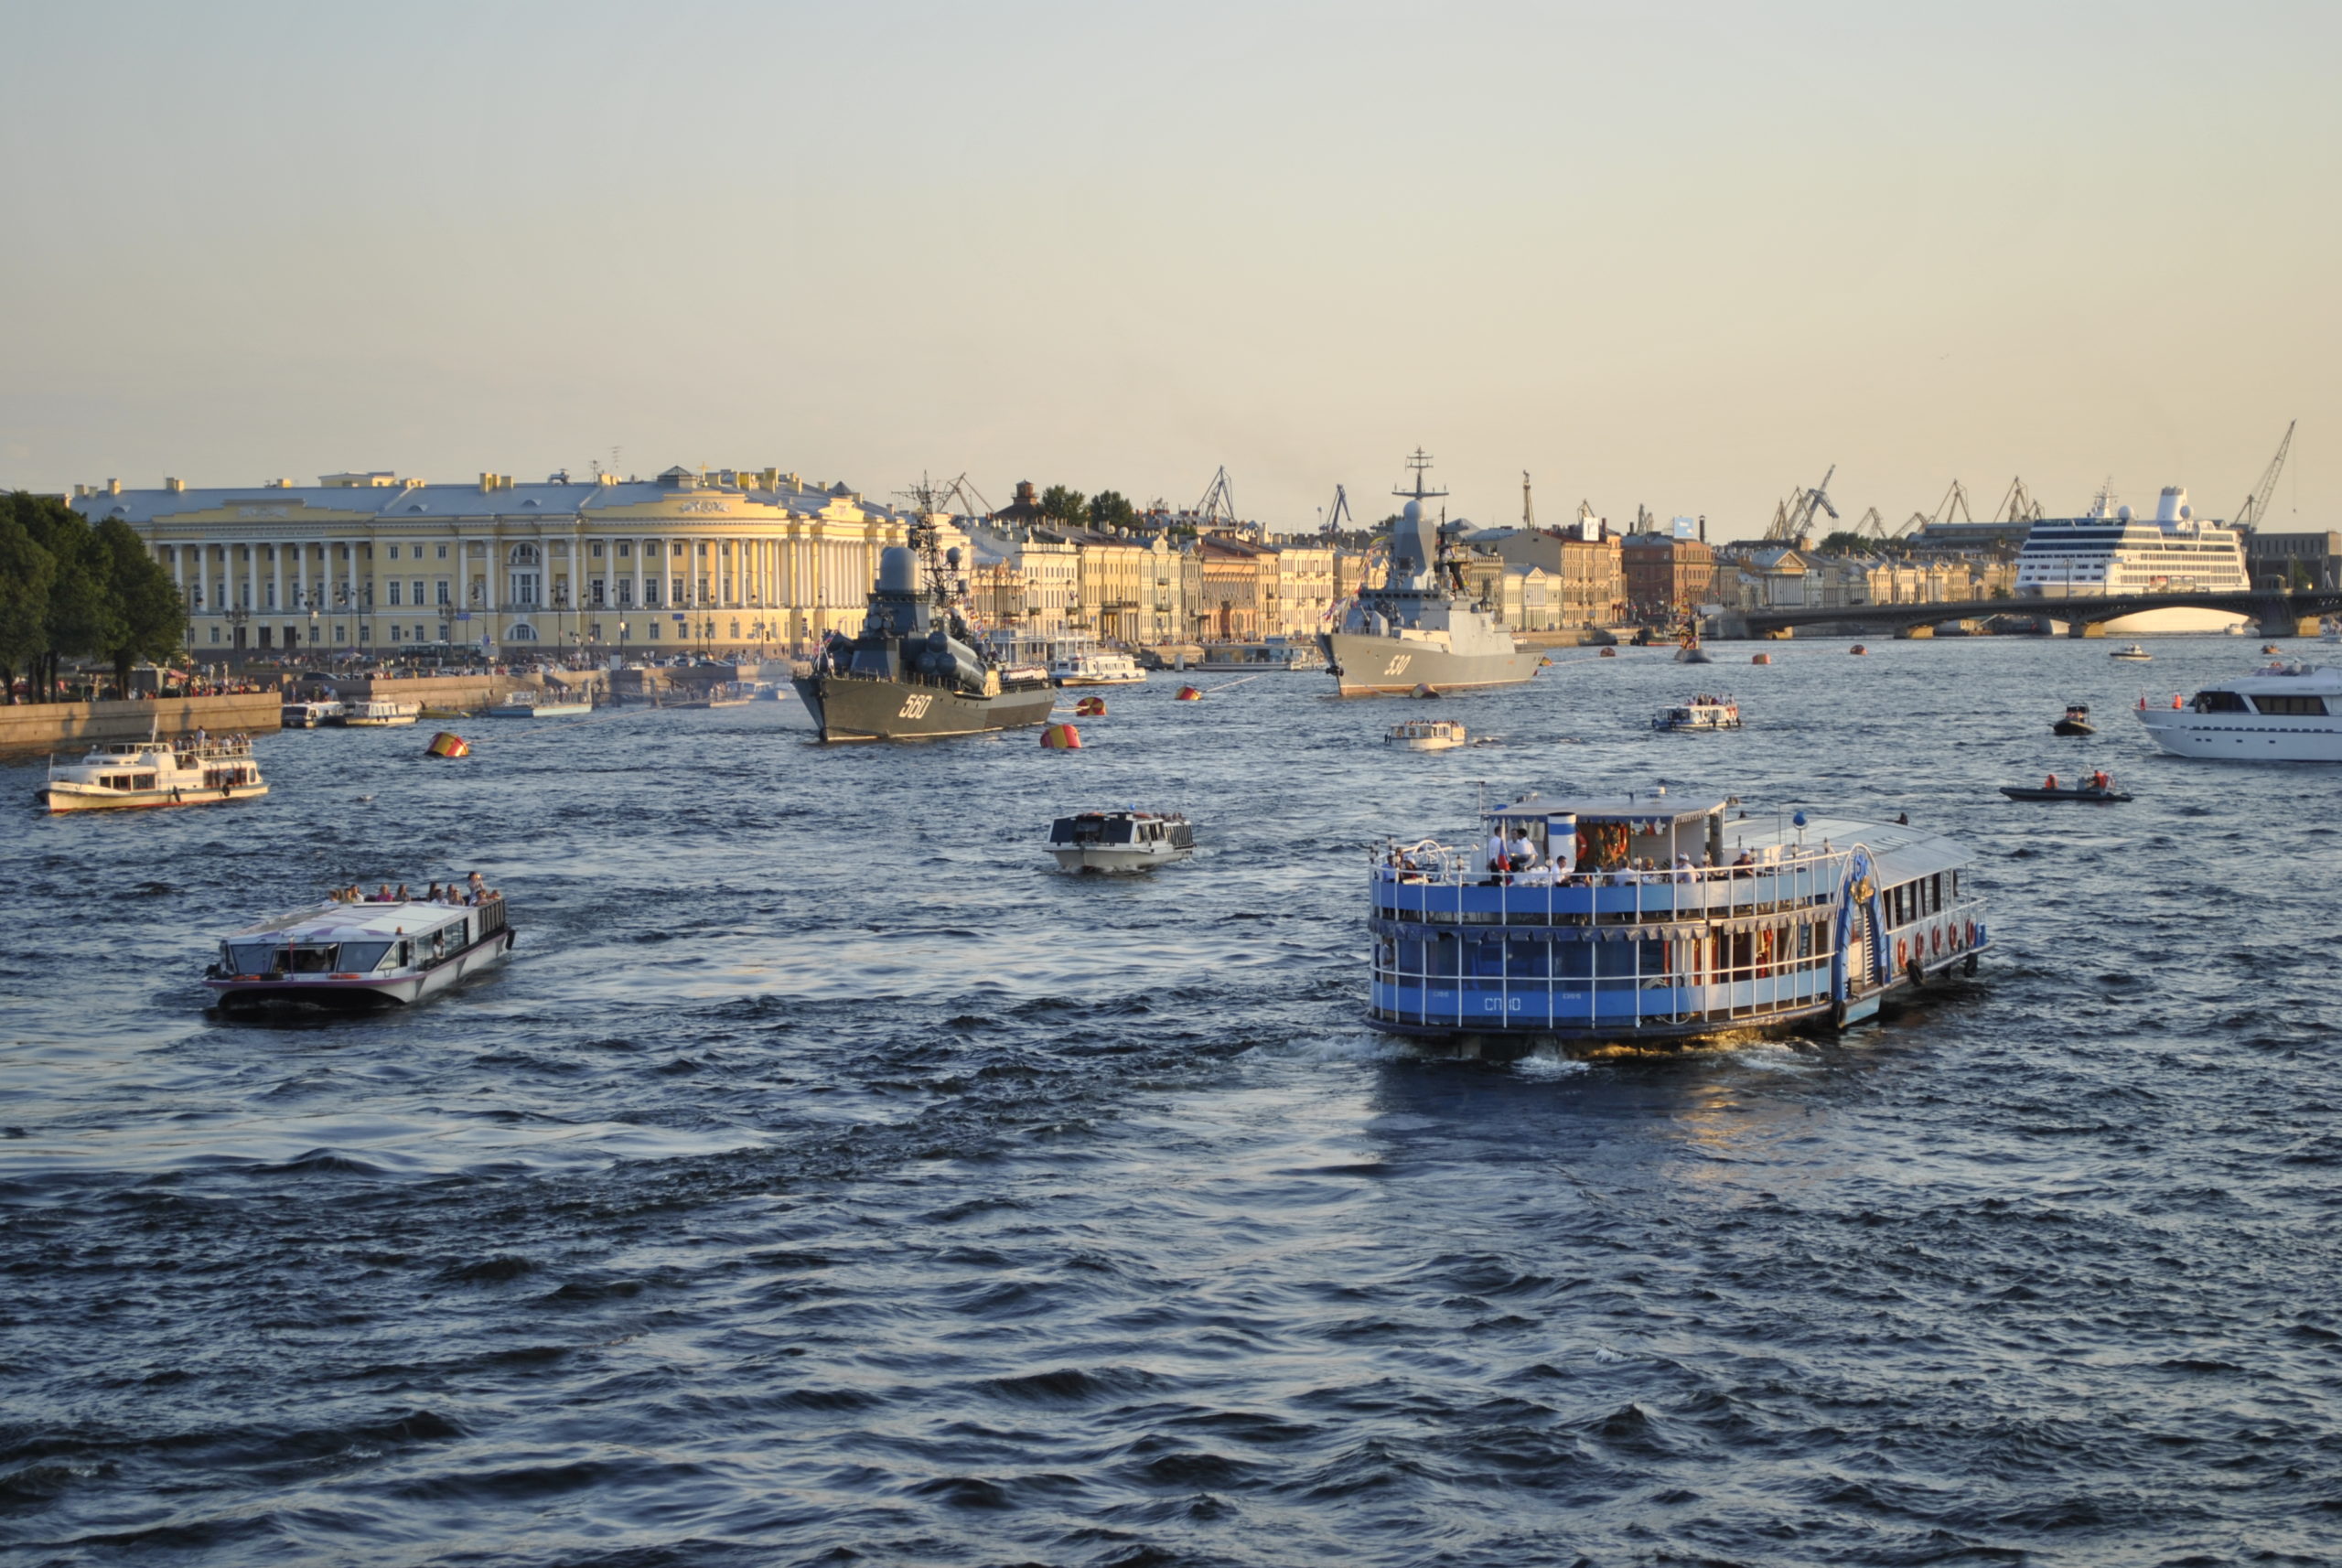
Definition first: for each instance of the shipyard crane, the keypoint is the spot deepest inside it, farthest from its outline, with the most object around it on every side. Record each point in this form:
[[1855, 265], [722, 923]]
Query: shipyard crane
[[2018, 505], [1793, 518], [1871, 525], [1340, 512], [1218, 508], [2256, 505], [960, 498]]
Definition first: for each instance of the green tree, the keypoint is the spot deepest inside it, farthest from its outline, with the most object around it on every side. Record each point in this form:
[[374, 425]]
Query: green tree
[[1846, 541], [1065, 505], [25, 572], [147, 602], [1109, 509], [81, 617]]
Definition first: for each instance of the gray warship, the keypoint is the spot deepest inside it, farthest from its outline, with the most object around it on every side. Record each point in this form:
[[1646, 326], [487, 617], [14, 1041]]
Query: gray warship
[[1420, 628], [914, 672]]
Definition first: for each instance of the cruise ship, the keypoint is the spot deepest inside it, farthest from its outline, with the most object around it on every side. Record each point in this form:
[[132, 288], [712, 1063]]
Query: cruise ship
[[2108, 551]]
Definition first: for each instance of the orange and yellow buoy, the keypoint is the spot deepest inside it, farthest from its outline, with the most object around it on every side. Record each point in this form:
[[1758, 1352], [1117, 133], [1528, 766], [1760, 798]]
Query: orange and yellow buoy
[[1762, 658], [1188, 695], [445, 743], [1607, 653], [1090, 708], [1061, 737], [1858, 647]]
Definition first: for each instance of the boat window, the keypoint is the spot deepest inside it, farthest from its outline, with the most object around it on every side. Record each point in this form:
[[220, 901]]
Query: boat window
[[1118, 831], [248, 958], [360, 958], [1488, 958], [316, 959], [1525, 959], [2291, 705], [2219, 702], [146, 780]]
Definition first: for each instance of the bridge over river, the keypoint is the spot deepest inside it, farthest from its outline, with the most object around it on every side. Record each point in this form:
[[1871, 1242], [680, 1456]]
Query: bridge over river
[[2276, 614]]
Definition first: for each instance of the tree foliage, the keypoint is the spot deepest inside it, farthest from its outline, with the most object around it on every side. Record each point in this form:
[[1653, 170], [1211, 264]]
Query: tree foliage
[[1111, 509], [1064, 504], [72, 591]]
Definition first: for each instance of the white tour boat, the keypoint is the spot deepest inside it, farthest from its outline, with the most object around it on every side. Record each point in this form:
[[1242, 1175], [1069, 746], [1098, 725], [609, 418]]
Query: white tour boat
[[2280, 713], [196, 772], [310, 714], [526, 704], [361, 954], [1428, 734], [379, 712], [2134, 652], [1120, 841], [1630, 918], [1699, 714], [1087, 664]]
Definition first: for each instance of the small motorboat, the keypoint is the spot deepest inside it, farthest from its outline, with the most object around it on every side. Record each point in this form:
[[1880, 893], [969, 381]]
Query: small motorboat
[[1120, 841], [1691, 653], [2099, 790], [1699, 714], [2134, 652], [528, 704], [2076, 722], [2270, 647], [1427, 734]]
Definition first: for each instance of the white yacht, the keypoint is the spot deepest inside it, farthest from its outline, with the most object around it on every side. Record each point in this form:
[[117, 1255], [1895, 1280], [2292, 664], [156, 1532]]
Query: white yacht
[[359, 955], [1087, 664], [2106, 550], [196, 772], [379, 712], [1428, 734], [1699, 714], [1120, 841], [2280, 713]]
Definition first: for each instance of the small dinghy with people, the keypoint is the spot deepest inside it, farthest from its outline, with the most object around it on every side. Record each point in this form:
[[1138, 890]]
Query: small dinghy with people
[[2098, 788], [353, 950], [1120, 841]]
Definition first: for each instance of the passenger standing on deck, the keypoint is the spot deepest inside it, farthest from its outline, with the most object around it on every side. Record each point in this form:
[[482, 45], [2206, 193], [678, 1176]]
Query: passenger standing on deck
[[1524, 853], [1496, 851]]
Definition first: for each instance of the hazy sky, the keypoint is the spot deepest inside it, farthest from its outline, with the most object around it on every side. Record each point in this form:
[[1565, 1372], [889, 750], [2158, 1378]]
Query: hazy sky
[[1687, 255]]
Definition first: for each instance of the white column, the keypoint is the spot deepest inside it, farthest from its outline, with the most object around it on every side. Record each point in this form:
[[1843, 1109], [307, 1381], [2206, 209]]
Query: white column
[[276, 576], [203, 576], [301, 577]]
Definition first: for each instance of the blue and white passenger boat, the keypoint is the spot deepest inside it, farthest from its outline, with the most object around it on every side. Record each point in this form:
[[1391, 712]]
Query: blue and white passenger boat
[[1659, 919]]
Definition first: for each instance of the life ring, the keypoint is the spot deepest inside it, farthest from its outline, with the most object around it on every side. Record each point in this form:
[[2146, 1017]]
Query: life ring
[[1938, 940], [1902, 954], [1971, 935]]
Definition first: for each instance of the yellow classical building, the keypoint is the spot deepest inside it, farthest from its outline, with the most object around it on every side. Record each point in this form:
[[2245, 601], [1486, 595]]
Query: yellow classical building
[[732, 561]]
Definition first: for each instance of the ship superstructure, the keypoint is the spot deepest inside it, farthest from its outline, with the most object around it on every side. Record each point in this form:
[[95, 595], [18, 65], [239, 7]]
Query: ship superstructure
[[1420, 627], [2107, 551]]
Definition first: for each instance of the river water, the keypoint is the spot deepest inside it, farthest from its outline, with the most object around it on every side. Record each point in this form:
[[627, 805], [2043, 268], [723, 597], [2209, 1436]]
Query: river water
[[828, 1179]]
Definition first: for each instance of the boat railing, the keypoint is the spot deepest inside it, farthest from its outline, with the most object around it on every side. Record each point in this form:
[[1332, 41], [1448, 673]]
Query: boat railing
[[1434, 883]]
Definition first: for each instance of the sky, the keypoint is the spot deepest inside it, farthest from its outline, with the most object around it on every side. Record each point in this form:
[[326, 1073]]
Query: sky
[[1681, 256]]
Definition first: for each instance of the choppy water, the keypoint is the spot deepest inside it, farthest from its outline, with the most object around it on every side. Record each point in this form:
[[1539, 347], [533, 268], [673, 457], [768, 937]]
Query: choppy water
[[828, 1180]]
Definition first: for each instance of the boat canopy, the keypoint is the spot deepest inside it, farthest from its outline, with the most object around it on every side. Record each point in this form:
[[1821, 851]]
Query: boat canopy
[[1662, 812]]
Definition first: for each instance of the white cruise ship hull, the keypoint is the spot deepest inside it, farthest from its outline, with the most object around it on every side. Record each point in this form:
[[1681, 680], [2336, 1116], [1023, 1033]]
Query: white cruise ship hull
[[1390, 666], [2245, 737]]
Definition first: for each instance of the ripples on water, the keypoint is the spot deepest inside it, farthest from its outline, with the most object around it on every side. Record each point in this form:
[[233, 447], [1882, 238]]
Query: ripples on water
[[827, 1178]]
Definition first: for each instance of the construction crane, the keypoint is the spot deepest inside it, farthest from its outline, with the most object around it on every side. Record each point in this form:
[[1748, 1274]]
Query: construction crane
[[1954, 503], [2256, 505], [1793, 518], [2018, 505], [1871, 525]]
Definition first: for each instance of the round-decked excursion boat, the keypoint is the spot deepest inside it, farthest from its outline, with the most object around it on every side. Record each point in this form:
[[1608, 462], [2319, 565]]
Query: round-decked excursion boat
[[1631, 918], [359, 955]]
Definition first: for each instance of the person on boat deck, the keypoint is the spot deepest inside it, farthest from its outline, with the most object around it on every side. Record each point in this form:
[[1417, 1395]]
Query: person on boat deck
[[402, 897], [2100, 780], [1524, 853], [1496, 859], [2050, 782], [1746, 859], [479, 888]]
